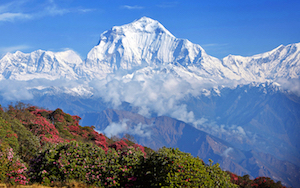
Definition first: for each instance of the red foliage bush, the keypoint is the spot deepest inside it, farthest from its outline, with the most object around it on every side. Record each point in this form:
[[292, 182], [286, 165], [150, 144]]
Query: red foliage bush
[[41, 127], [140, 147], [119, 145], [100, 140], [246, 182]]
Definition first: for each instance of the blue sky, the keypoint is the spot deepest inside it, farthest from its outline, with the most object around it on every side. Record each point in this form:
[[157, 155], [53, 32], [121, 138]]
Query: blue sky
[[221, 27]]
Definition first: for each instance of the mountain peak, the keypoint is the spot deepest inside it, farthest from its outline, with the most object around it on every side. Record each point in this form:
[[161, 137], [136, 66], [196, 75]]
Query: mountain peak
[[145, 20], [142, 25]]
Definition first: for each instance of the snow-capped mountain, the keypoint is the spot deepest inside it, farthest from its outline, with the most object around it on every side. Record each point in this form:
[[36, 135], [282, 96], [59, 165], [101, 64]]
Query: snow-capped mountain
[[282, 62], [146, 43], [39, 64]]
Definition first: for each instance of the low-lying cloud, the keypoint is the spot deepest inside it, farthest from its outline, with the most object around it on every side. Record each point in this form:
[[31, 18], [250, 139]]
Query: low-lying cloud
[[161, 94], [292, 85], [118, 128], [164, 94], [14, 90], [226, 152], [227, 132]]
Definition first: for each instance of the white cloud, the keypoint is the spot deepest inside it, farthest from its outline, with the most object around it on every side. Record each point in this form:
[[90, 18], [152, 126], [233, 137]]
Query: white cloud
[[151, 94], [241, 131], [226, 152], [231, 133], [10, 12], [292, 85], [114, 129], [14, 90], [54, 10], [160, 94], [135, 7], [10, 17], [15, 10], [85, 10]]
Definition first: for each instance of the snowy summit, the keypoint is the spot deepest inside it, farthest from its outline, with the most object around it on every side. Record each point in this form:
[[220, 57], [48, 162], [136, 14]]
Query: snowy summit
[[147, 43]]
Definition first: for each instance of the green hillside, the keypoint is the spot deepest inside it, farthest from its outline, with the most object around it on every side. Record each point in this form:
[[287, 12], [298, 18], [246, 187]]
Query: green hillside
[[39, 146]]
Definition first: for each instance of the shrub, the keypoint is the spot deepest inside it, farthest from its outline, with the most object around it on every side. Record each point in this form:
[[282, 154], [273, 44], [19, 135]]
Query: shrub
[[86, 163], [96, 160], [153, 170], [246, 182], [12, 168], [188, 171], [29, 144], [68, 118], [7, 135]]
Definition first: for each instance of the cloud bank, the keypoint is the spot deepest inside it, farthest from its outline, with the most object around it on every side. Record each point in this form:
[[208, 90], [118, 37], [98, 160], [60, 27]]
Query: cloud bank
[[14, 90], [151, 93], [156, 94], [161, 94]]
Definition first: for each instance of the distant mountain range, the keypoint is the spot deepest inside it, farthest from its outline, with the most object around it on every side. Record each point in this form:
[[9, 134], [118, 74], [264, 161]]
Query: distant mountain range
[[146, 43], [243, 112]]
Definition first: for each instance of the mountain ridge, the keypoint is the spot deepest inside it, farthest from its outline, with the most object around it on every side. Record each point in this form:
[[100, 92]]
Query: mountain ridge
[[146, 43], [39, 64]]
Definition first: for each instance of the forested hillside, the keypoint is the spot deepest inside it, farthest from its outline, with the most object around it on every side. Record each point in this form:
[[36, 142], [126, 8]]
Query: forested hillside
[[51, 148]]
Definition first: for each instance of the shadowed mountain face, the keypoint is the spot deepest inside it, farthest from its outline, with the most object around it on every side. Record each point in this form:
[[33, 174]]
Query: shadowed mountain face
[[165, 131], [268, 119]]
